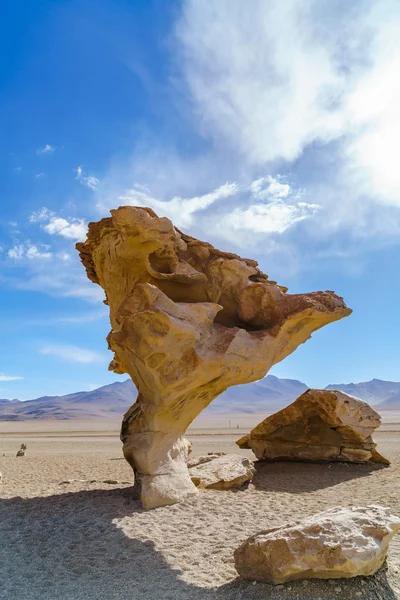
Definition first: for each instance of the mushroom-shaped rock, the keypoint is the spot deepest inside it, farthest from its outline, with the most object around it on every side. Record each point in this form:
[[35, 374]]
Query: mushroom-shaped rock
[[340, 542], [188, 321], [230, 471], [321, 425]]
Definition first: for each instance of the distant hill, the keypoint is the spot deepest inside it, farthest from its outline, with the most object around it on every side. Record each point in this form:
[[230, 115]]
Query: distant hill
[[267, 395], [374, 392], [392, 403], [107, 401]]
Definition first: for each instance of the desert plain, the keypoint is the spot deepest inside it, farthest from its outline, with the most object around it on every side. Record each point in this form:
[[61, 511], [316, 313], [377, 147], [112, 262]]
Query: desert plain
[[71, 528]]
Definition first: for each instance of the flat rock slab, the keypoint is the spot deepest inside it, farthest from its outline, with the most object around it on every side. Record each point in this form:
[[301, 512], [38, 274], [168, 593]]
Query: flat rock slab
[[199, 460], [225, 472], [340, 542]]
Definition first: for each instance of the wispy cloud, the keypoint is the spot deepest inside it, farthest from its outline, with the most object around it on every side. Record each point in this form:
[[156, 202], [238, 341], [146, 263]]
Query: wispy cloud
[[59, 282], [57, 274], [29, 251], [181, 211], [74, 229], [74, 354], [4, 377], [278, 206], [70, 228], [307, 89], [43, 214], [268, 205], [83, 318], [88, 180], [46, 149]]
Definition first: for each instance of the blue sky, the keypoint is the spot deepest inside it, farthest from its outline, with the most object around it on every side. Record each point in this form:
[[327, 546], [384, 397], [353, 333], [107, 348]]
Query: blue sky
[[269, 129]]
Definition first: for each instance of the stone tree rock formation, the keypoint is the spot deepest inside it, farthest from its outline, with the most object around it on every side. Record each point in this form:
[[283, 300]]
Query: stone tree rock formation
[[321, 425], [340, 542], [187, 322]]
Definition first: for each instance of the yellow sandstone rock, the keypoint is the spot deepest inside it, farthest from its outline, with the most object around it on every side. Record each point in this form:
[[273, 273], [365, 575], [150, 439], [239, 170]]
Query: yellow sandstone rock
[[187, 322], [321, 425]]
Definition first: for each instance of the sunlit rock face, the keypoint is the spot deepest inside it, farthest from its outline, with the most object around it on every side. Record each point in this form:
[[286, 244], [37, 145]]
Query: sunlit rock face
[[187, 322], [320, 426], [340, 542]]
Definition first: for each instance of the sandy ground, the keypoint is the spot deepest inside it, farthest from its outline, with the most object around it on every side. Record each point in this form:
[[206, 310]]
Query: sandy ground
[[92, 541]]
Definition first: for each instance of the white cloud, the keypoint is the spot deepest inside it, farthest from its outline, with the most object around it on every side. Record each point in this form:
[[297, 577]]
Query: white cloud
[[58, 274], [30, 251], [63, 256], [283, 82], [60, 282], [4, 377], [180, 210], [34, 252], [74, 229], [265, 187], [274, 217], [39, 175], [71, 228], [263, 78], [74, 354], [45, 150], [273, 207], [42, 214], [88, 180]]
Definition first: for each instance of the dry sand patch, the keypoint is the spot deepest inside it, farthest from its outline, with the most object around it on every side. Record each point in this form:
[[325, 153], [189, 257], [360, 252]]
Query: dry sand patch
[[87, 541]]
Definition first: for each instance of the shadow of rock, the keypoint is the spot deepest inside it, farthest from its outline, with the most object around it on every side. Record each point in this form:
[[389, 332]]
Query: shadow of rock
[[69, 547], [298, 477]]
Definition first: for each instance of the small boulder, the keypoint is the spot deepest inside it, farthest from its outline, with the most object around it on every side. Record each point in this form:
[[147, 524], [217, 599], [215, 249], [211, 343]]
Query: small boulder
[[223, 472], [340, 542], [320, 426], [22, 450]]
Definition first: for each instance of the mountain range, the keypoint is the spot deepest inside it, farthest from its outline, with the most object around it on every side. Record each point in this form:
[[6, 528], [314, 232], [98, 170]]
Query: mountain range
[[267, 395]]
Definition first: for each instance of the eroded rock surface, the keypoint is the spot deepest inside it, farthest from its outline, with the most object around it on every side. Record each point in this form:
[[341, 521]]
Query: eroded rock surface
[[200, 460], [340, 542], [187, 322], [321, 425], [225, 472]]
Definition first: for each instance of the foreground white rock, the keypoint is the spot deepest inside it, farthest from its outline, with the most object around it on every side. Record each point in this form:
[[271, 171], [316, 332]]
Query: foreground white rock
[[223, 472], [199, 460], [340, 542]]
